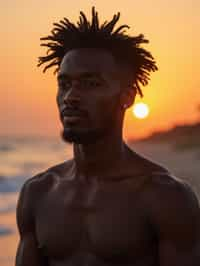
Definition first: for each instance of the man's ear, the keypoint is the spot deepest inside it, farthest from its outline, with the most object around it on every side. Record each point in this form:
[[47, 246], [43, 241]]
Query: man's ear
[[128, 97]]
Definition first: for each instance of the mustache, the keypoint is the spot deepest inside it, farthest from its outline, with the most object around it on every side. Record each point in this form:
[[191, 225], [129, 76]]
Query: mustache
[[69, 111]]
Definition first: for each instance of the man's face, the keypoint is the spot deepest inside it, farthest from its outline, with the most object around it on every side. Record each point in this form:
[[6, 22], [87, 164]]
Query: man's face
[[88, 94]]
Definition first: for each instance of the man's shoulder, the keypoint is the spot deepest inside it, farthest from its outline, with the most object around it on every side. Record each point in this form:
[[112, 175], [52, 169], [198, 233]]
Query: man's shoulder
[[172, 201], [43, 180], [164, 184], [165, 187]]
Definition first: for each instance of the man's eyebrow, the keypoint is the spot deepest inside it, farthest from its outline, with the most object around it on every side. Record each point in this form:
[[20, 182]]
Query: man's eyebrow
[[85, 75], [62, 76], [91, 74]]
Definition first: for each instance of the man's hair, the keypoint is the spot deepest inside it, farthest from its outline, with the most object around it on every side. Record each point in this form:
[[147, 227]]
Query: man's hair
[[126, 49]]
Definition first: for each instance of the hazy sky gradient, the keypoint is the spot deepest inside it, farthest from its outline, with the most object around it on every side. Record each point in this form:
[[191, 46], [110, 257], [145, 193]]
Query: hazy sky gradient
[[27, 102]]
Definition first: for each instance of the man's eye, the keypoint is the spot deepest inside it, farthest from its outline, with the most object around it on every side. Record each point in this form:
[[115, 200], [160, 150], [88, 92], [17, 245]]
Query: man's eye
[[92, 83], [67, 83], [64, 84]]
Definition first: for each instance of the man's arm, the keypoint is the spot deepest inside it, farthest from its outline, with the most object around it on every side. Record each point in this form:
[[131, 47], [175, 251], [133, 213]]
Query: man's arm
[[27, 252], [175, 217]]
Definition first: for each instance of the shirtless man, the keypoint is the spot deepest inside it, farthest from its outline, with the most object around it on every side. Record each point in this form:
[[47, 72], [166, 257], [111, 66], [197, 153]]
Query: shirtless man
[[107, 205]]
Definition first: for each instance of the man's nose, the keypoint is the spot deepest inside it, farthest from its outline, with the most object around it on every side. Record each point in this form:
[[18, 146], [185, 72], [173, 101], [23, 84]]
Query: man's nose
[[72, 96]]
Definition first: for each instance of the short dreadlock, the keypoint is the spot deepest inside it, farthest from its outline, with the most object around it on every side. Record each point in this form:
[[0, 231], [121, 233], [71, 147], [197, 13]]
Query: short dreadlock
[[66, 36]]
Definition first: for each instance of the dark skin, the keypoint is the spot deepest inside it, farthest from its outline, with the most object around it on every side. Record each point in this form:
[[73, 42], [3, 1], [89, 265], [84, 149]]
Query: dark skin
[[108, 205]]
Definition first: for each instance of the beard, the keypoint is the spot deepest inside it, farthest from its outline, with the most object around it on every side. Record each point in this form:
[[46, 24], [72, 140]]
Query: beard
[[82, 136]]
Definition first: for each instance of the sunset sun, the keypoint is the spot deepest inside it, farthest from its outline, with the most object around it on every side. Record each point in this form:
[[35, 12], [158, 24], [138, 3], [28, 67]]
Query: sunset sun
[[141, 110]]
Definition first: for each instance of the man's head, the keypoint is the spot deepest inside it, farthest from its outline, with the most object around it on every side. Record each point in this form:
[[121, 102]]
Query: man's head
[[99, 75]]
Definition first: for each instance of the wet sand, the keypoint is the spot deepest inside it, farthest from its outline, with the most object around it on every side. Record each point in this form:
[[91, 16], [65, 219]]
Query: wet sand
[[8, 243]]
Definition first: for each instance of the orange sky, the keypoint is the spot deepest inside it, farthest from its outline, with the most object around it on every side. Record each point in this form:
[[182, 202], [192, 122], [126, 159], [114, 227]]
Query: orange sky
[[27, 102]]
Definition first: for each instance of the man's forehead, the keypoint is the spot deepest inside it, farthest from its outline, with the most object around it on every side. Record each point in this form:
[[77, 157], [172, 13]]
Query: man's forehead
[[88, 60]]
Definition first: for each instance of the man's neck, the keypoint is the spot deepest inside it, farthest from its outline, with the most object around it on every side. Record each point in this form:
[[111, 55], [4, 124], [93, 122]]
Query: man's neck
[[99, 158]]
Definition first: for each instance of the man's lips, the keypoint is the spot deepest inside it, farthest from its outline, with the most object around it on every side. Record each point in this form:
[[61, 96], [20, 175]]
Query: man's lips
[[72, 116], [71, 119]]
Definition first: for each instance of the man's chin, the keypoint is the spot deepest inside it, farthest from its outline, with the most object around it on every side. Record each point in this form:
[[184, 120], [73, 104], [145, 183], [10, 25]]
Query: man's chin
[[81, 136]]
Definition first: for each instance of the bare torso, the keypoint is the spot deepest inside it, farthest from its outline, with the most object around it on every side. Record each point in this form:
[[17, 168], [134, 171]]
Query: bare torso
[[94, 223]]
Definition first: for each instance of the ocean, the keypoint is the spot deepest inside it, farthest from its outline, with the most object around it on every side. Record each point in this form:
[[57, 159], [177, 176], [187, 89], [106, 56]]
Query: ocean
[[20, 159]]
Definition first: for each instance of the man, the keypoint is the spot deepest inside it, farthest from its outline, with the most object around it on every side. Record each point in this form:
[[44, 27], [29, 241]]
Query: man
[[107, 205]]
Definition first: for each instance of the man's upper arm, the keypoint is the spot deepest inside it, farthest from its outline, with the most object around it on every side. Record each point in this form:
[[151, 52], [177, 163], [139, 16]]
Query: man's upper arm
[[27, 252], [175, 217]]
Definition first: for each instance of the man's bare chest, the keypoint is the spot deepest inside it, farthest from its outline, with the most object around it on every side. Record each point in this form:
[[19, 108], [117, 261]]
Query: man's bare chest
[[103, 220]]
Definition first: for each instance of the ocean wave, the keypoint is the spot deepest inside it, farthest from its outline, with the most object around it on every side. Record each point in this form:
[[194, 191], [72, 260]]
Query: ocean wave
[[8, 208], [9, 185], [8, 202], [6, 147], [4, 230]]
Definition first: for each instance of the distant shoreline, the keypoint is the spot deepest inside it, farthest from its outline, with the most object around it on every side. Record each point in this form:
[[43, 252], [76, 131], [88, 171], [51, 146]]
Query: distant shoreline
[[183, 136]]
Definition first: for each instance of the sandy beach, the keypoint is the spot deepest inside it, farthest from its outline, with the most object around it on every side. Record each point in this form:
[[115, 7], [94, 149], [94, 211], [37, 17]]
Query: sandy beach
[[184, 164]]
